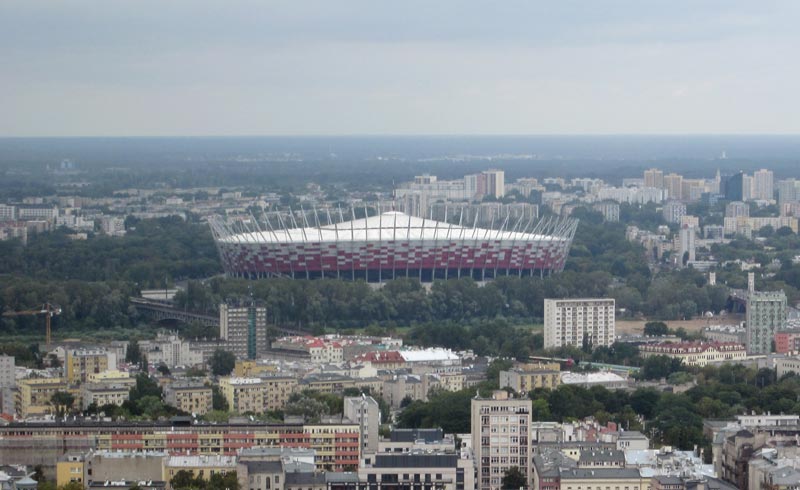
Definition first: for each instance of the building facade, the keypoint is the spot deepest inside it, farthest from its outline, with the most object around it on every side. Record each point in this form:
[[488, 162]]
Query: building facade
[[579, 322], [765, 315]]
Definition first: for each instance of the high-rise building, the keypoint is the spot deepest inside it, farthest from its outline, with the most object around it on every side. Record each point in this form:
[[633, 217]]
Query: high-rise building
[[654, 178], [494, 182], [733, 187], [364, 411], [673, 183], [579, 322], [747, 187], [244, 328], [687, 244], [763, 185], [673, 211], [766, 314], [500, 437], [788, 192]]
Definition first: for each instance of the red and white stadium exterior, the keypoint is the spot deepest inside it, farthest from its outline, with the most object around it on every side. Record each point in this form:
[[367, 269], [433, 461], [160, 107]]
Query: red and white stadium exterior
[[392, 245]]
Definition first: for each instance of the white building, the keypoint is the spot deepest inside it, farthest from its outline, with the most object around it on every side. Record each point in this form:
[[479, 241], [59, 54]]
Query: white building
[[763, 185], [673, 211], [578, 322]]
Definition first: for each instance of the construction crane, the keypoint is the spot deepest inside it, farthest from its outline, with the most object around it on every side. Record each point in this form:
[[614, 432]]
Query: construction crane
[[48, 310]]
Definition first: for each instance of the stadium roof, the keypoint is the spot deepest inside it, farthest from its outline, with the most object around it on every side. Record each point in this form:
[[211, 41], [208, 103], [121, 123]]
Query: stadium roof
[[393, 226]]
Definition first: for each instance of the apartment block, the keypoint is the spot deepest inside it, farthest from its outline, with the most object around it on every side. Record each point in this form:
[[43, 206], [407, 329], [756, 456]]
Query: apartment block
[[190, 396], [244, 328], [81, 363], [500, 437], [765, 315], [579, 322]]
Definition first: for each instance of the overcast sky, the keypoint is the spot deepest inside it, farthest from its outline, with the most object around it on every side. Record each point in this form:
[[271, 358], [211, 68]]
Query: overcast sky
[[229, 67]]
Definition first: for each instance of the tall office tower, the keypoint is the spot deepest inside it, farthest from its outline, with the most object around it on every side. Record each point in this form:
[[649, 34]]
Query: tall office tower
[[673, 211], [686, 238], [654, 178], [733, 187], [737, 209], [579, 322], [244, 328], [500, 437], [495, 183], [763, 185], [766, 314], [747, 187], [673, 183]]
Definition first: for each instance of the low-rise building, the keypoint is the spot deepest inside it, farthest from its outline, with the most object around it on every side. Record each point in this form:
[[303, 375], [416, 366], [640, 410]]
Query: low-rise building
[[34, 395], [441, 470], [199, 466], [101, 394], [190, 396], [244, 394], [69, 468], [529, 377], [105, 466], [696, 353]]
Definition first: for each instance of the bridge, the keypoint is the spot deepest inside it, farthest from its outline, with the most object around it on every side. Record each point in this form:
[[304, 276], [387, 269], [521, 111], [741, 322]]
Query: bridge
[[159, 311], [737, 301]]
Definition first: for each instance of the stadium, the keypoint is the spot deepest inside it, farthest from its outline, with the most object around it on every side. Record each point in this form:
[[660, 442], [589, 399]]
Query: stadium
[[390, 245]]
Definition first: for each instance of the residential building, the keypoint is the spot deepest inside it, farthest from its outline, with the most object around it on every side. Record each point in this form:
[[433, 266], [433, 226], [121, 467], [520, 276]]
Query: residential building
[[190, 396], [80, 363], [786, 365], [654, 178], [202, 466], [100, 394], [244, 328], [124, 465], [673, 211], [696, 353], [364, 411], [763, 185], [787, 340], [243, 394], [7, 372], [579, 322], [70, 468], [673, 183], [737, 209], [609, 210], [34, 395], [444, 470], [500, 429], [686, 242], [529, 377], [277, 390], [765, 315]]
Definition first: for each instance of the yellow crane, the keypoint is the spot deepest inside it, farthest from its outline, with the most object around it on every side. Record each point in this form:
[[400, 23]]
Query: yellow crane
[[48, 310]]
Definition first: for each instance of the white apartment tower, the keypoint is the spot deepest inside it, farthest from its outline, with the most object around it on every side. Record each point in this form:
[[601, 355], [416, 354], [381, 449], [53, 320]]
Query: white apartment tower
[[579, 322], [500, 437], [763, 185]]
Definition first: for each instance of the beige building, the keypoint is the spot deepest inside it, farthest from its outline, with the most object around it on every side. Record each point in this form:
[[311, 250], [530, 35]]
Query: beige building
[[593, 478], [528, 378], [696, 353], [578, 322], [244, 394], [102, 466], [34, 394], [500, 437], [277, 390], [787, 365], [104, 394], [189, 396], [204, 466], [69, 468], [441, 470], [81, 363]]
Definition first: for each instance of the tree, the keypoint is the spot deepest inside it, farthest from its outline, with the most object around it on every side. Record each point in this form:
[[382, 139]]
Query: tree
[[656, 329], [218, 400], [62, 402], [163, 369], [514, 479], [133, 355], [184, 480], [222, 362]]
